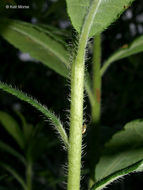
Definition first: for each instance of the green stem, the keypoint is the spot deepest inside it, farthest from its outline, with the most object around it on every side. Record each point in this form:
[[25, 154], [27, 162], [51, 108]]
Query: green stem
[[96, 108], [76, 122], [94, 149], [76, 117], [76, 112], [29, 176]]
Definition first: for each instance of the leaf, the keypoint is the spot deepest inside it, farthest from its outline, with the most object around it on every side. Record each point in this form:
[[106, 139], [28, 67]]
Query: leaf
[[13, 152], [14, 174], [12, 127], [53, 32], [54, 120], [40, 45], [40, 42], [124, 151], [137, 167], [108, 11], [135, 47], [27, 128]]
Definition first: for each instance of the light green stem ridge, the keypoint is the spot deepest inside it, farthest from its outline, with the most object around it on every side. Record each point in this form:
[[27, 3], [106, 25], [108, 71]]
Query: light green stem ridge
[[96, 107], [77, 89], [29, 175], [55, 121]]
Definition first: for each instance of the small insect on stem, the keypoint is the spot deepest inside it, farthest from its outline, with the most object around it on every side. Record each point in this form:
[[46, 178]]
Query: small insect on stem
[[126, 7], [84, 127]]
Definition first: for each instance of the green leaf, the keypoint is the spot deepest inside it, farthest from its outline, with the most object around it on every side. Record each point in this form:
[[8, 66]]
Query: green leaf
[[137, 167], [11, 151], [40, 42], [40, 45], [14, 174], [53, 32], [27, 128], [12, 127], [107, 12], [135, 47], [123, 153], [54, 120]]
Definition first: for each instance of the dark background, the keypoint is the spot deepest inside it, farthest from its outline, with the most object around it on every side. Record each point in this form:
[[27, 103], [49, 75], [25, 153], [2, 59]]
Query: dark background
[[122, 98]]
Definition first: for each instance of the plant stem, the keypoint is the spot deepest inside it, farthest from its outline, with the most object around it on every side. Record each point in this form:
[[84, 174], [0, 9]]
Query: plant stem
[[29, 175], [96, 108], [94, 149], [76, 111], [76, 118]]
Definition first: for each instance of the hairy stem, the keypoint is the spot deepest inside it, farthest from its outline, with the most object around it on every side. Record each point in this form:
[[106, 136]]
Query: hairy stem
[[76, 112], [76, 116]]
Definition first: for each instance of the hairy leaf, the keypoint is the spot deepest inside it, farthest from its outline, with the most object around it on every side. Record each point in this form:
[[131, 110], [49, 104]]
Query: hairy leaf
[[135, 47], [55, 121], [124, 151], [40, 42], [58, 35], [108, 11], [137, 167], [32, 39]]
